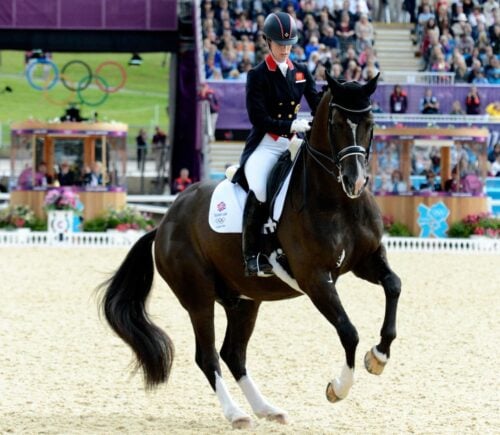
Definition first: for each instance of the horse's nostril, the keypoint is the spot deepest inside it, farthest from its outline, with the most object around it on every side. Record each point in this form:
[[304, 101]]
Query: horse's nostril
[[345, 181]]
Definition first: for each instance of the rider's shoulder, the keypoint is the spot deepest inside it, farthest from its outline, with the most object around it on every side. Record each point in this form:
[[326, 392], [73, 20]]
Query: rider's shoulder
[[301, 66]]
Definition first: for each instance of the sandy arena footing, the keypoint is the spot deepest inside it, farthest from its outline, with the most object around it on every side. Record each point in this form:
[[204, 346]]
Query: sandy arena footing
[[62, 371]]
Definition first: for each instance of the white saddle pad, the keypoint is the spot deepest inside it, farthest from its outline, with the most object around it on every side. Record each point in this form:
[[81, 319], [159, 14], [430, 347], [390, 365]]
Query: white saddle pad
[[225, 214]]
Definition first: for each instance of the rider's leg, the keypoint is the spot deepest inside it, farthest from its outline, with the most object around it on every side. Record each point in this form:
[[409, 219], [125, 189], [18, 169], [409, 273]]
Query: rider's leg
[[257, 168], [254, 216]]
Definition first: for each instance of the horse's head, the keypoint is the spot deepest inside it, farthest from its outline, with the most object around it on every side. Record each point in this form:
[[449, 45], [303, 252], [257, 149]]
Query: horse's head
[[350, 131]]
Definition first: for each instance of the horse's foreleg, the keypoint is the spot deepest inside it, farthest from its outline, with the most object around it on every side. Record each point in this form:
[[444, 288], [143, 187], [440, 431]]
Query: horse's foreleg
[[378, 356], [240, 324], [325, 298], [208, 361], [377, 271]]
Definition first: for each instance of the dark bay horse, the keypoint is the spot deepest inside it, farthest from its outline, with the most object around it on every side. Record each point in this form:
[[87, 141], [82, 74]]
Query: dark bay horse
[[330, 225]]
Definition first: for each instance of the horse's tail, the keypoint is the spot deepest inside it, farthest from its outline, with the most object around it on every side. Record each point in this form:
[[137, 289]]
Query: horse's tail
[[123, 304]]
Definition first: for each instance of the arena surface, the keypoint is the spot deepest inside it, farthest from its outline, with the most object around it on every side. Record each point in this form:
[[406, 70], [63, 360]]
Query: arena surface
[[62, 371]]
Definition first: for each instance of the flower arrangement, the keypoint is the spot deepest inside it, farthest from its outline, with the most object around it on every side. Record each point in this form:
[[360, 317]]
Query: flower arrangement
[[62, 199], [128, 218], [480, 224], [395, 229], [17, 216]]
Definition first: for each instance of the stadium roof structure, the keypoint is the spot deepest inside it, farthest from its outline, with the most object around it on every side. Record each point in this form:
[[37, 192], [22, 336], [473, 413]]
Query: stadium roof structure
[[78, 25]]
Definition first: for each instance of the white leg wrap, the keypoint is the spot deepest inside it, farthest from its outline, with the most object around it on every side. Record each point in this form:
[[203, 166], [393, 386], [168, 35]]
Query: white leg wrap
[[230, 408], [260, 406], [382, 357], [343, 383]]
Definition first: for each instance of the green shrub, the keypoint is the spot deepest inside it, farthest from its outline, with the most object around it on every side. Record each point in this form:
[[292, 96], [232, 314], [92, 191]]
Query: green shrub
[[459, 230], [17, 216], [482, 224], [128, 218], [39, 224], [395, 229], [97, 224], [398, 229]]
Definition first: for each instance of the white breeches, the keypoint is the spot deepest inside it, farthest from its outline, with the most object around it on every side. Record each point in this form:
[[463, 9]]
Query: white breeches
[[259, 164]]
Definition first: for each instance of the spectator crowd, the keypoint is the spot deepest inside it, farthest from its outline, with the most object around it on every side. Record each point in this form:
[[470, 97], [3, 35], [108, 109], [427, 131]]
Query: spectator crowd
[[460, 37], [456, 36], [334, 35]]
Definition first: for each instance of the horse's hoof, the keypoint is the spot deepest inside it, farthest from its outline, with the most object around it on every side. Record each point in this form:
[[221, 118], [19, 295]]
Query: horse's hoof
[[281, 417], [242, 423], [330, 393], [372, 364]]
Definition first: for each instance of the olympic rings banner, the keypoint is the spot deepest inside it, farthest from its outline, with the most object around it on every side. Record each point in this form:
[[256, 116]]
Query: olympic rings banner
[[77, 77]]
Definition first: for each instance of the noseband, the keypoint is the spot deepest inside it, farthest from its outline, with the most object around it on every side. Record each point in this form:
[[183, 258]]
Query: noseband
[[351, 150]]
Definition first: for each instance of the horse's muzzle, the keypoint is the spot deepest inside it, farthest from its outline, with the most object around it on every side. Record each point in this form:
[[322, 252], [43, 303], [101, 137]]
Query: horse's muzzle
[[354, 189]]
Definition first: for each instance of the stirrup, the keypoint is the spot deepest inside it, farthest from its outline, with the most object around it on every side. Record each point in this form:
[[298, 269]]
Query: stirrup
[[258, 265]]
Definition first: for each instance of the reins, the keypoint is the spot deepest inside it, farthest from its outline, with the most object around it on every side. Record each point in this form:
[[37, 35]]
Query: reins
[[315, 154]]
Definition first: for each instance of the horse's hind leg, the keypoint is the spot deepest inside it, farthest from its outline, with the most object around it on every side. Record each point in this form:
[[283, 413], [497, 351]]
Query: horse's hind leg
[[240, 324], [378, 271], [208, 361]]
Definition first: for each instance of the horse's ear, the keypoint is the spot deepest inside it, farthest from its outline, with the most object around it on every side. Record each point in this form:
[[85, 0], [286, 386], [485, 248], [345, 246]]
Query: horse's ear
[[332, 83], [370, 87]]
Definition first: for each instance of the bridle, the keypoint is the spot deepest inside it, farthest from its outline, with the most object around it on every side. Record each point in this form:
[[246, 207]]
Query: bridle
[[351, 150]]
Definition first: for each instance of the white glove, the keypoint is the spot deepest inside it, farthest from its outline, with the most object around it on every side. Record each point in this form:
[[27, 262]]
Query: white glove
[[300, 126], [230, 171]]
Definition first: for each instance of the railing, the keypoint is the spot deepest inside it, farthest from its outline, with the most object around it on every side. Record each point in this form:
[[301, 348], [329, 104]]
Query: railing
[[459, 246], [128, 238], [77, 240], [427, 78], [141, 202], [410, 118]]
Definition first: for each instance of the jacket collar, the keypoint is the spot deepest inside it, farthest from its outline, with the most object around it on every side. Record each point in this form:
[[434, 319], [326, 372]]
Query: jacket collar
[[272, 65]]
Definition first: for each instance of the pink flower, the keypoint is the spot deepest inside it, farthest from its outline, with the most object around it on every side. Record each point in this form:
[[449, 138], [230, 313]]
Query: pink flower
[[478, 231], [19, 222]]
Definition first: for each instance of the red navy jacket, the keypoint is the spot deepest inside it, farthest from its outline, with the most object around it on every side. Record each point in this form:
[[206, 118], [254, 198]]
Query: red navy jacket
[[273, 101]]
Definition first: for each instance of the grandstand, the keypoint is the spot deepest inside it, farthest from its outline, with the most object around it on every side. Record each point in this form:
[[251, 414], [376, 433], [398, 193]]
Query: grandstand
[[426, 49]]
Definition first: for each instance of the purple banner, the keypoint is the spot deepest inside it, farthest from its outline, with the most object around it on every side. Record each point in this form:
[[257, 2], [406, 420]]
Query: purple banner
[[233, 114], [89, 14]]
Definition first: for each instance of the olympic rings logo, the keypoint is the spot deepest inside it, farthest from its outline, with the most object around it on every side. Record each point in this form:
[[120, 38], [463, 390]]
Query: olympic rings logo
[[53, 76]]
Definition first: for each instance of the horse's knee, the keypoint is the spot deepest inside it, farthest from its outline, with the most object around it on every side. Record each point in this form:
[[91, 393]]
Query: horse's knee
[[392, 285]]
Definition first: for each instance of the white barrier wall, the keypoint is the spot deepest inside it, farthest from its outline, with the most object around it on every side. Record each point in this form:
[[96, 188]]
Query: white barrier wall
[[128, 238], [84, 239], [472, 245]]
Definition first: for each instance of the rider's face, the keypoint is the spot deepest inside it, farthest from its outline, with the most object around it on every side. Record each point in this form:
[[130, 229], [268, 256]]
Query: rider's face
[[280, 52]]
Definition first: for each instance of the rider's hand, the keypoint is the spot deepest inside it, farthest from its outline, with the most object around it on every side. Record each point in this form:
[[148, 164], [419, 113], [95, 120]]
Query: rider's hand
[[300, 126]]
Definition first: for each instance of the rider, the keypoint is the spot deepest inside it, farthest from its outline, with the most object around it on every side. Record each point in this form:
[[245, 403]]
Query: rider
[[274, 89]]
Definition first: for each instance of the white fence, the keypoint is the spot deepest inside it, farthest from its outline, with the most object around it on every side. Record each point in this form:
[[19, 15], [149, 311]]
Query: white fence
[[77, 240], [128, 238], [461, 246], [409, 118], [428, 78]]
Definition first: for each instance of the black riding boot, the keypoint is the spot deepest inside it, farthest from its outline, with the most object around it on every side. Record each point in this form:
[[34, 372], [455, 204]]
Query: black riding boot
[[254, 216]]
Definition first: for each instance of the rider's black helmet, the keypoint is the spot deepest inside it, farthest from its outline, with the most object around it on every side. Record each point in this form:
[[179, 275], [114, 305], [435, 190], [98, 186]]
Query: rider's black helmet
[[281, 28]]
